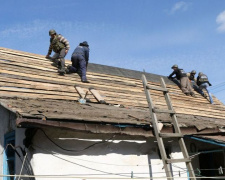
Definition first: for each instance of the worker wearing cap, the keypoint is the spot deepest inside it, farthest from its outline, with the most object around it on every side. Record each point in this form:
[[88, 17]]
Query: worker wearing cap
[[60, 46], [184, 81], [80, 58], [203, 83]]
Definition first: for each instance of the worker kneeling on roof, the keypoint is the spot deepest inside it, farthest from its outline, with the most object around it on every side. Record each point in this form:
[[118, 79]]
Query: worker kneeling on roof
[[80, 58], [60, 46], [203, 83], [184, 81]]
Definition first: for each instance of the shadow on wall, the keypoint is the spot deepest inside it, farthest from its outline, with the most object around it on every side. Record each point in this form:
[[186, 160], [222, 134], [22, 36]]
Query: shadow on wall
[[77, 143]]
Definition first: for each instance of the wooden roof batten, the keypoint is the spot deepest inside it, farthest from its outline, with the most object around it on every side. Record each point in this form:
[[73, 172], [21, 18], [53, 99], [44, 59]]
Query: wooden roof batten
[[35, 91]]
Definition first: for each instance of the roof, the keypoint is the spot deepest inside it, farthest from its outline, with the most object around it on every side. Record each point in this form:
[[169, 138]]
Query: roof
[[32, 88]]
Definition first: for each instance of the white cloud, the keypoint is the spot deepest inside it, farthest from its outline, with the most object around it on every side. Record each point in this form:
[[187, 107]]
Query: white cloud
[[179, 6], [221, 22]]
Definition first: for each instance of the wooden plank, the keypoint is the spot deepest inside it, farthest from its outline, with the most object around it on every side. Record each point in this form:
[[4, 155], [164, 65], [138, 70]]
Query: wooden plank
[[80, 91], [14, 89], [44, 74], [53, 79], [97, 96], [24, 95], [170, 161], [125, 100], [72, 91], [12, 52], [178, 89], [21, 52], [171, 135], [29, 65]]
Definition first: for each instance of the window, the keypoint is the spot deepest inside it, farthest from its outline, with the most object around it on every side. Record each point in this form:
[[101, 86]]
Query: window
[[9, 156]]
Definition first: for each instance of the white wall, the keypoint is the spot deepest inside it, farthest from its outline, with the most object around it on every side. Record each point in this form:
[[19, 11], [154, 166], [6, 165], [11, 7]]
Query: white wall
[[121, 155]]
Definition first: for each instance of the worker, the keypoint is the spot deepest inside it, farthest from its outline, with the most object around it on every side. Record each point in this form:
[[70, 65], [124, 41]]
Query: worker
[[80, 58], [60, 46], [203, 83], [192, 79], [191, 76], [184, 82]]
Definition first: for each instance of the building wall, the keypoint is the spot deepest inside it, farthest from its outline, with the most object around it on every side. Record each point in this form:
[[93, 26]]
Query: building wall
[[7, 121], [86, 154], [104, 156], [119, 155]]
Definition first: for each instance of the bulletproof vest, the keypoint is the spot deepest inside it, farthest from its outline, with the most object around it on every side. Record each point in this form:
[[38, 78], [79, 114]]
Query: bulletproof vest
[[57, 46], [203, 78], [181, 73]]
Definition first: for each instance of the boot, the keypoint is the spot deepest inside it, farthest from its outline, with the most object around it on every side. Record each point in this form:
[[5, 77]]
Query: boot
[[62, 71], [85, 81], [68, 69], [187, 93], [192, 94]]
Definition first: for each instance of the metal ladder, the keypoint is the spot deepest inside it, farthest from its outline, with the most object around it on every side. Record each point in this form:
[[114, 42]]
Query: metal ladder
[[160, 136]]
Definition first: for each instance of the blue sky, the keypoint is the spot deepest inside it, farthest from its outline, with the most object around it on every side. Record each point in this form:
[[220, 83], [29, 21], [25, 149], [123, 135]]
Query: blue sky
[[132, 34]]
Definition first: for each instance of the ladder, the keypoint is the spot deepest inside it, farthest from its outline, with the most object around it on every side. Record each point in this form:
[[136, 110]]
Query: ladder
[[160, 136]]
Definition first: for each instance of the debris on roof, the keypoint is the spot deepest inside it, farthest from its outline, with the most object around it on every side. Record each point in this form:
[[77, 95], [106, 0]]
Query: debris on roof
[[32, 88]]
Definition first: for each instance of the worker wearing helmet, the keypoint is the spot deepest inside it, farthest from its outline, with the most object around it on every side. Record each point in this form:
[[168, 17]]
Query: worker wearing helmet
[[192, 79], [191, 76], [203, 83], [60, 46], [184, 81], [80, 58]]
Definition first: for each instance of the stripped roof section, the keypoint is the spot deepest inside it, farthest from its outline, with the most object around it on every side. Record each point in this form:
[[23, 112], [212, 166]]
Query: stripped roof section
[[30, 86]]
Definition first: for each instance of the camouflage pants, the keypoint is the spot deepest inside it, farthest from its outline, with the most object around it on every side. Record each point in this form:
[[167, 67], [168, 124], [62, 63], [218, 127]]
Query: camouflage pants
[[58, 58]]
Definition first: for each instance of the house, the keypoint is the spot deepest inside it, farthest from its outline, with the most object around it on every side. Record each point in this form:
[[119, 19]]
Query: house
[[45, 132]]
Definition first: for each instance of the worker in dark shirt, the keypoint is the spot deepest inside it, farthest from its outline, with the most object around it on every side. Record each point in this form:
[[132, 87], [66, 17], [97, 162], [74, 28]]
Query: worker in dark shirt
[[203, 83], [80, 58], [184, 81]]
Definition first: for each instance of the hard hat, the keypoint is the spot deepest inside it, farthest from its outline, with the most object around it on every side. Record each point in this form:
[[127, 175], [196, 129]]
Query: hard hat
[[200, 73], [193, 72], [174, 66], [51, 32]]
